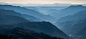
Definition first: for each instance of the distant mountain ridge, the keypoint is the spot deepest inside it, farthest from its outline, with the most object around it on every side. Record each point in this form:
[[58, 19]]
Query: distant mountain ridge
[[10, 19], [76, 17], [68, 11], [27, 17], [28, 12], [69, 29], [72, 23]]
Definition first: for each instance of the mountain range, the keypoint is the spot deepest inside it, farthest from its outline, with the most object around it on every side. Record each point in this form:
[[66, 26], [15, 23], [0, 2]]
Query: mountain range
[[68, 11], [75, 17], [30, 12], [46, 10], [27, 17], [72, 23], [31, 23], [10, 19]]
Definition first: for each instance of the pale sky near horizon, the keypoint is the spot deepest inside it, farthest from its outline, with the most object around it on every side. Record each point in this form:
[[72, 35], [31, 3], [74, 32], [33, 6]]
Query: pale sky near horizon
[[44, 1]]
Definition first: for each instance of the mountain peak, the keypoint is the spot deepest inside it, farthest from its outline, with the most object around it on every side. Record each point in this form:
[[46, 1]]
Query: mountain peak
[[76, 6]]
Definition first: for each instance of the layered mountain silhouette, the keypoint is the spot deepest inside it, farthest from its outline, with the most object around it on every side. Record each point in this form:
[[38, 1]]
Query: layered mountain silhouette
[[45, 9], [79, 25], [76, 17], [24, 23], [71, 27], [71, 19], [44, 27], [10, 19], [68, 11], [72, 23], [27, 17], [28, 12]]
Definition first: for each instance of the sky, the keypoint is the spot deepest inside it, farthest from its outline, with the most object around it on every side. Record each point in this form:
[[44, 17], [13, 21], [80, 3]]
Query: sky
[[44, 1]]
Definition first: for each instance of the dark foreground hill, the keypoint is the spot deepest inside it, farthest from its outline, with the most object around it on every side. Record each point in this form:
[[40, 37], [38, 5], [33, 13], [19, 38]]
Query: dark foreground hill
[[44, 27], [20, 33]]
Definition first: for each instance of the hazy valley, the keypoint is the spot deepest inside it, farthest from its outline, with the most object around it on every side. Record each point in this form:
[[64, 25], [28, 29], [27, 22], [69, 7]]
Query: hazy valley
[[43, 22]]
